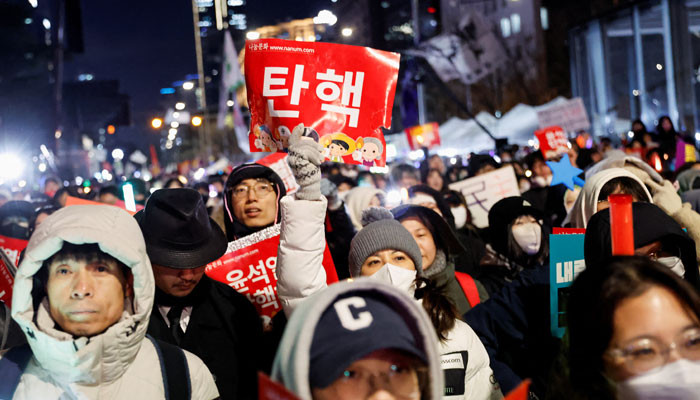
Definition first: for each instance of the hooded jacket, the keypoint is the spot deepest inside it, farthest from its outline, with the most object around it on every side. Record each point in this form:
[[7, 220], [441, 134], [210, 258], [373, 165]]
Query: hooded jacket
[[117, 363], [587, 202], [301, 275], [235, 229], [650, 224], [618, 159], [292, 363], [357, 200]]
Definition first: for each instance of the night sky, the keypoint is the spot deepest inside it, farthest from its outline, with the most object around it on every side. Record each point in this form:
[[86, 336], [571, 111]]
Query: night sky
[[148, 44]]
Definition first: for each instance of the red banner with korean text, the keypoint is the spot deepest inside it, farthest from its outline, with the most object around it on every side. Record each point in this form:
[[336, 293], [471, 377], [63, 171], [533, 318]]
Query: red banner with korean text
[[426, 135], [342, 94], [12, 249], [553, 141], [249, 266]]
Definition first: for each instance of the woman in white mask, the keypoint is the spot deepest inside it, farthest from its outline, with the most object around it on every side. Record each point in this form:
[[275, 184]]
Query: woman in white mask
[[634, 330], [382, 250], [518, 240]]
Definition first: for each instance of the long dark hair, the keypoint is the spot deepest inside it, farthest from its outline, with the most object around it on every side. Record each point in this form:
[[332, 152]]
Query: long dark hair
[[595, 295], [437, 304]]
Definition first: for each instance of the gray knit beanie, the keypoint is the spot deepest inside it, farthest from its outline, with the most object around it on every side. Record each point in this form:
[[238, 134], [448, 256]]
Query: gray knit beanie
[[381, 232]]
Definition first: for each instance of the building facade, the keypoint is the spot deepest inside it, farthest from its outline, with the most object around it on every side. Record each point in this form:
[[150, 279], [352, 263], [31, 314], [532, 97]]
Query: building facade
[[639, 61]]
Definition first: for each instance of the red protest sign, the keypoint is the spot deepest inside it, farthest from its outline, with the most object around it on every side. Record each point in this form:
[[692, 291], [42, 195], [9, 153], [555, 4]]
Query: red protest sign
[[553, 141], [344, 94], [12, 249], [522, 392], [271, 390], [249, 266], [278, 163], [425, 135]]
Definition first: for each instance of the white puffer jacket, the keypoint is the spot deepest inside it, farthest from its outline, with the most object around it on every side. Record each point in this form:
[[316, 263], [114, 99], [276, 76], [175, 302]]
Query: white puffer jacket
[[116, 364], [300, 274]]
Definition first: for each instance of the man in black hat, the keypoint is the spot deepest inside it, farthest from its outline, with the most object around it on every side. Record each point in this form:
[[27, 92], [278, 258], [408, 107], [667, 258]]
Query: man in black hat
[[199, 314]]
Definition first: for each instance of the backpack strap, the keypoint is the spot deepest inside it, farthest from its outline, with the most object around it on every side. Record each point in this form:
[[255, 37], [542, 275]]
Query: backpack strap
[[468, 287], [12, 367], [175, 371]]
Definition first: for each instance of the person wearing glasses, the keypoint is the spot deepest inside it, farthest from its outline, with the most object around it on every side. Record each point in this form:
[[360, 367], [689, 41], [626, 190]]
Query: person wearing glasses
[[360, 339], [251, 200], [634, 333]]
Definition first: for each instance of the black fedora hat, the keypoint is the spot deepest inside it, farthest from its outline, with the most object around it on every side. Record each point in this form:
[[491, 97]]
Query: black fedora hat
[[178, 230]]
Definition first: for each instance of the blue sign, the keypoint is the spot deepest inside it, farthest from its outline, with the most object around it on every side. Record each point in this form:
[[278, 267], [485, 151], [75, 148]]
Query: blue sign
[[565, 263]]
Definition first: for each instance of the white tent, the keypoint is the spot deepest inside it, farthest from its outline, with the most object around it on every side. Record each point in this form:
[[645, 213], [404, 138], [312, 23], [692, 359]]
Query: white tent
[[463, 136]]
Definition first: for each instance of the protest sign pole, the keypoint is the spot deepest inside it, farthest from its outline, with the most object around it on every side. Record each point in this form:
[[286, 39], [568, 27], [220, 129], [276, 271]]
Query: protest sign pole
[[621, 228], [420, 90]]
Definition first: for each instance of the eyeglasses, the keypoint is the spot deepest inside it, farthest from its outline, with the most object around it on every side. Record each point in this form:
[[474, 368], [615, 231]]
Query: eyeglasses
[[644, 354], [402, 381], [260, 189]]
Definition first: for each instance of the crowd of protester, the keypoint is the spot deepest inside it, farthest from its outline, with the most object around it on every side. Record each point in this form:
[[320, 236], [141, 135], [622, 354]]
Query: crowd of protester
[[109, 305]]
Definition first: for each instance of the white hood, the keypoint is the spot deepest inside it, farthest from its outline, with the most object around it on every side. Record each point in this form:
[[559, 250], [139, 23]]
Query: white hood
[[587, 202], [105, 357]]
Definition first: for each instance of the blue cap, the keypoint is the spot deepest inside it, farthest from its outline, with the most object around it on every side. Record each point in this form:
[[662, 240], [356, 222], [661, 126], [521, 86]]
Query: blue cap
[[355, 325]]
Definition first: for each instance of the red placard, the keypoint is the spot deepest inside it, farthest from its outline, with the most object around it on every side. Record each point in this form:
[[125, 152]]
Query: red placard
[[568, 231], [522, 392], [271, 390], [426, 135], [553, 141], [344, 93], [278, 163], [12, 248], [249, 266]]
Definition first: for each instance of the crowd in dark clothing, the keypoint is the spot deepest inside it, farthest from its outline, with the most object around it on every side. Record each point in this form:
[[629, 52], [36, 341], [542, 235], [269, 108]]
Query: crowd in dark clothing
[[482, 293]]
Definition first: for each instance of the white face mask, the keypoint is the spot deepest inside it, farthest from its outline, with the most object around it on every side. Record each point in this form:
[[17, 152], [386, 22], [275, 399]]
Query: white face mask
[[679, 380], [524, 186], [541, 181], [400, 278], [460, 214], [528, 236], [674, 263], [342, 195]]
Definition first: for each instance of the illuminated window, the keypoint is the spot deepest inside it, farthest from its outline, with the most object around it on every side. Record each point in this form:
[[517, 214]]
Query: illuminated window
[[505, 27], [515, 23]]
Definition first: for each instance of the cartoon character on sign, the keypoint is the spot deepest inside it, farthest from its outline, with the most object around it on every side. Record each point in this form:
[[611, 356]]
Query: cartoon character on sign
[[369, 151], [337, 146], [282, 138], [264, 140]]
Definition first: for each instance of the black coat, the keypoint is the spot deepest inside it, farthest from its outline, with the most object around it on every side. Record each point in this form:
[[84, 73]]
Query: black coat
[[649, 224], [225, 331]]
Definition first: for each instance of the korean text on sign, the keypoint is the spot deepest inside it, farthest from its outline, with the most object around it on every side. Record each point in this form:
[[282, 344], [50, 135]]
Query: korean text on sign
[[483, 191], [341, 94]]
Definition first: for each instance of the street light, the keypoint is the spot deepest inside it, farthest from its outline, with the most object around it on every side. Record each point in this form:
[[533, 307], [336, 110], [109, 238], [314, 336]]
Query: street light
[[117, 154], [347, 32], [11, 166], [180, 106], [196, 121], [156, 123], [229, 103], [252, 35], [188, 85], [325, 17]]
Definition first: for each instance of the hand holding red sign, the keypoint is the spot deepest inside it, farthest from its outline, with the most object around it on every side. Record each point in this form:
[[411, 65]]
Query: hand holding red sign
[[342, 94]]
